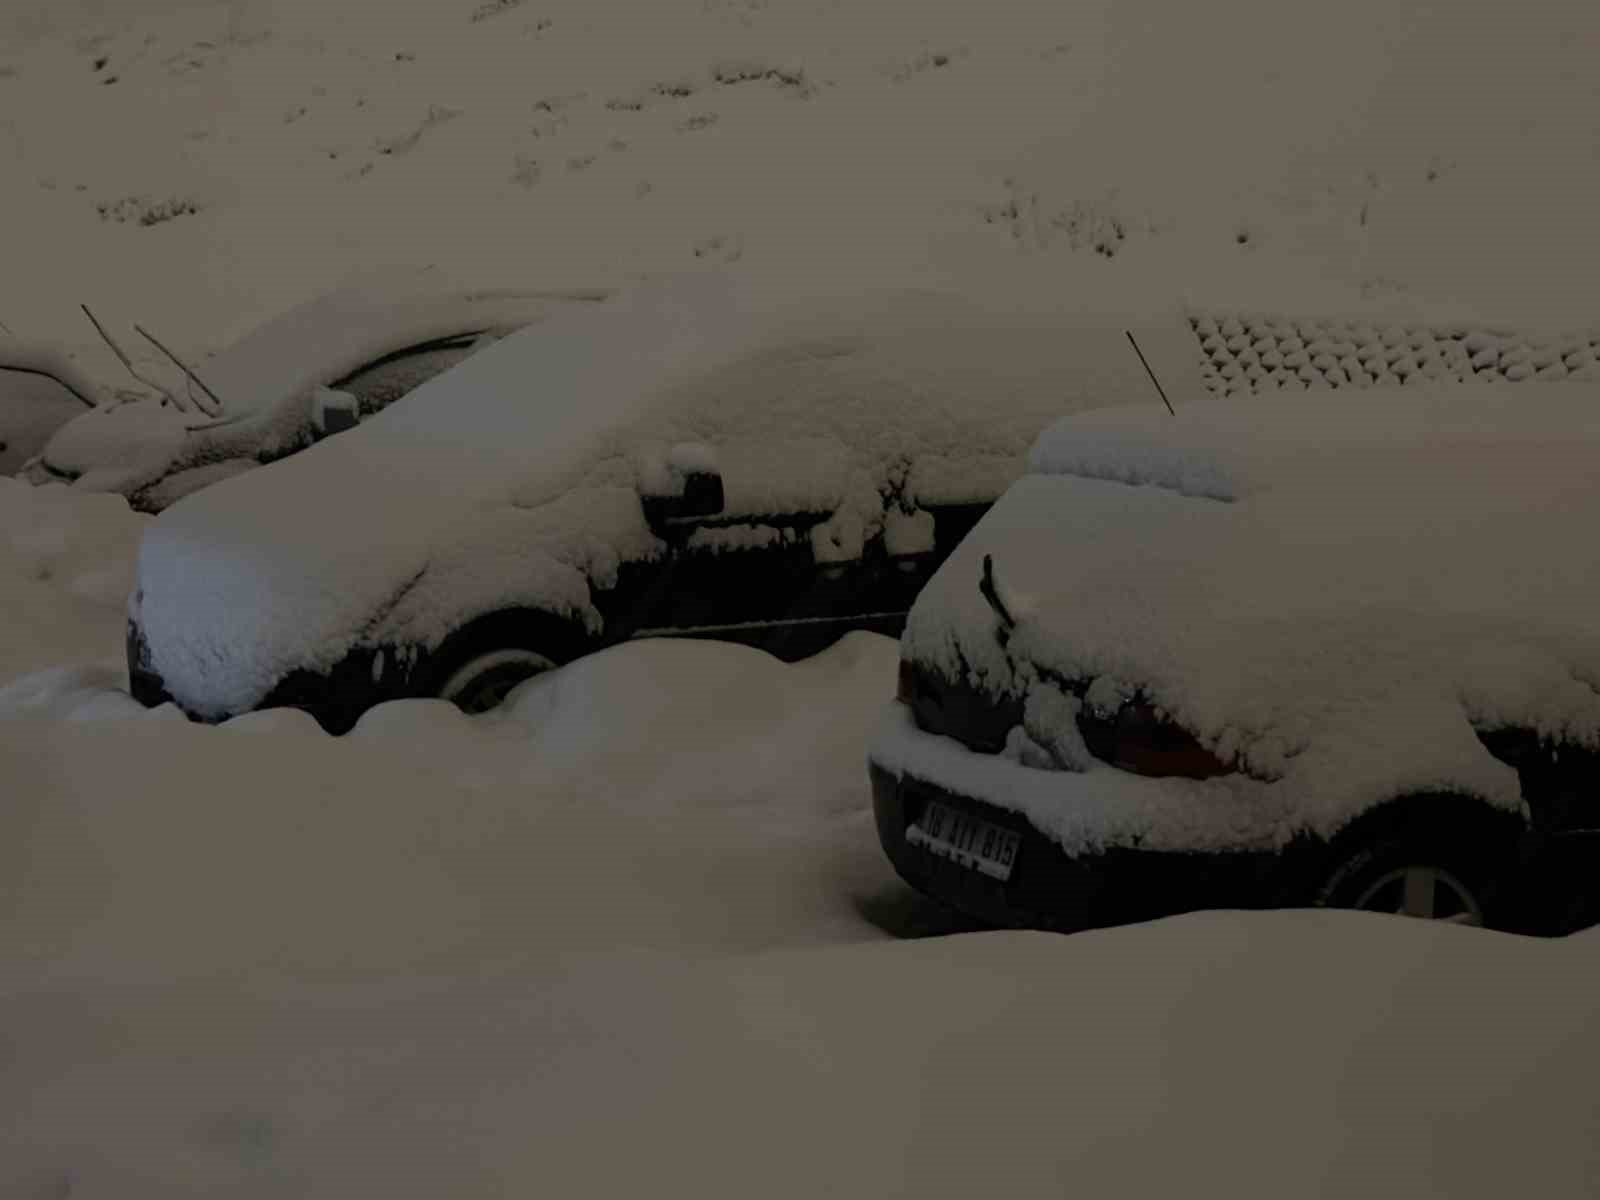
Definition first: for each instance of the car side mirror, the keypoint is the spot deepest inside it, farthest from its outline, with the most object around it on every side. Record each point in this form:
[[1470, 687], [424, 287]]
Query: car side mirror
[[333, 412], [684, 485]]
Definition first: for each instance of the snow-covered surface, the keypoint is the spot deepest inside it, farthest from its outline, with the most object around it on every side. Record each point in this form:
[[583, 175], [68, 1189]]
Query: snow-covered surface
[[267, 380], [467, 959], [372, 314], [810, 404], [1372, 156], [472, 957], [66, 568], [118, 446], [54, 361], [1330, 590], [1264, 353]]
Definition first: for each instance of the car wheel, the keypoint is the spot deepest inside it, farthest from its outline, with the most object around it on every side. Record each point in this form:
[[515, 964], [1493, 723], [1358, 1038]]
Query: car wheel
[[484, 682], [478, 665], [1439, 858]]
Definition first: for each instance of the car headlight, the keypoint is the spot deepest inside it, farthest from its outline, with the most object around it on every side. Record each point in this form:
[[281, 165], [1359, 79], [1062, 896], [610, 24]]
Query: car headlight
[[1140, 738], [906, 684]]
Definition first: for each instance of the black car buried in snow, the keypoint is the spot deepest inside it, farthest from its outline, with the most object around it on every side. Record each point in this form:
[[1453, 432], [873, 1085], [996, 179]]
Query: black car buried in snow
[[1266, 652], [684, 459]]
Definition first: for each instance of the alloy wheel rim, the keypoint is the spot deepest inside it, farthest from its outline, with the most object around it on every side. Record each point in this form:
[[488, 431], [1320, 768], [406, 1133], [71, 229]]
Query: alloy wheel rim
[[1425, 892], [485, 682]]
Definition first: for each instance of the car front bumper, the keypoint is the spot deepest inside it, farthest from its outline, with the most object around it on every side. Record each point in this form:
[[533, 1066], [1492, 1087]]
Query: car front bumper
[[336, 699], [1051, 889]]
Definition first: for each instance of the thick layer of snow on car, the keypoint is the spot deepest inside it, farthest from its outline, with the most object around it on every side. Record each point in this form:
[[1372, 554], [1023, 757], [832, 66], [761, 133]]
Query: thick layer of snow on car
[[118, 445], [263, 383], [368, 315], [1332, 592], [819, 405]]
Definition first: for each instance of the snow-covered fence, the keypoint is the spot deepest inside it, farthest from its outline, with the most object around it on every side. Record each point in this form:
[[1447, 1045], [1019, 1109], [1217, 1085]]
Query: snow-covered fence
[[1246, 352]]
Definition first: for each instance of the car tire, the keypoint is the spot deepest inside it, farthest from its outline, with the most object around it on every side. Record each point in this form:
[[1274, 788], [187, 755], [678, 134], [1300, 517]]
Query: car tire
[[1448, 858], [479, 664]]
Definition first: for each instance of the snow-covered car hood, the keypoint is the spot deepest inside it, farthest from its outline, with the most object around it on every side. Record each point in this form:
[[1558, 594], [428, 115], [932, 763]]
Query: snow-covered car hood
[[1333, 587], [117, 443], [528, 455]]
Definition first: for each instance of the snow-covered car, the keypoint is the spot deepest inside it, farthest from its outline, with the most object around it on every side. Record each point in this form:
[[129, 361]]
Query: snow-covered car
[[41, 389], [315, 370], [686, 459], [1270, 651]]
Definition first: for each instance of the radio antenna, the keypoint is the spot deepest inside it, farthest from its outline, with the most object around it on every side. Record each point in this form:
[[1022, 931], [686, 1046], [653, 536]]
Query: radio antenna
[[1149, 372]]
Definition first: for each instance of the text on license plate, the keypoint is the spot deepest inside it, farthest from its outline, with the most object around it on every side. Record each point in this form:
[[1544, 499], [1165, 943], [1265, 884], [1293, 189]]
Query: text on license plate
[[980, 845]]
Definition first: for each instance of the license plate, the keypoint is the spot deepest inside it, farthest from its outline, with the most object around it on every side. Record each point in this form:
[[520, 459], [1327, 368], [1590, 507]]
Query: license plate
[[977, 844]]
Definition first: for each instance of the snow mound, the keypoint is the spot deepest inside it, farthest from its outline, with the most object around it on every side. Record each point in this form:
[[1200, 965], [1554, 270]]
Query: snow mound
[[83, 692], [66, 566]]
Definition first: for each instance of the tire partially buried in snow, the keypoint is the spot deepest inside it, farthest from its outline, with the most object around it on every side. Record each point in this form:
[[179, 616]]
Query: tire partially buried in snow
[[480, 664]]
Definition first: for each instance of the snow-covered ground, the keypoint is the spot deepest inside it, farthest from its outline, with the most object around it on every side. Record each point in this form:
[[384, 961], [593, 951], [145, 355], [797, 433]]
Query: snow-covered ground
[[199, 167], [633, 932]]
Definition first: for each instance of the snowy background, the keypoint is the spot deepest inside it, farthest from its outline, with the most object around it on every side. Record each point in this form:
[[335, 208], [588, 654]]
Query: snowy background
[[634, 930]]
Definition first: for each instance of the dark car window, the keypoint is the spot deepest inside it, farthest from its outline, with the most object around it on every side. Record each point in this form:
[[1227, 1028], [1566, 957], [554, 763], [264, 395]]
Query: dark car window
[[381, 382], [33, 406]]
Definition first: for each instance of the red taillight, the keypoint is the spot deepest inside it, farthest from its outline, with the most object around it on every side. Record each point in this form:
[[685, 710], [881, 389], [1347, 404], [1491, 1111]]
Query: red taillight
[[906, 687], [1138, 738]]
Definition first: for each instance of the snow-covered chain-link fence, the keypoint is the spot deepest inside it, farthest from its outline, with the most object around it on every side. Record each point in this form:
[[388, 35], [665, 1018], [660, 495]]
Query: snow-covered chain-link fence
[[1241, 352]]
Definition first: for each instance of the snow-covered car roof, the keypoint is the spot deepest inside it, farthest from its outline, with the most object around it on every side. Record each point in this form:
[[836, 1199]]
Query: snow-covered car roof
[[513, 478], [376, 313], [1333, 588], [276, 364]]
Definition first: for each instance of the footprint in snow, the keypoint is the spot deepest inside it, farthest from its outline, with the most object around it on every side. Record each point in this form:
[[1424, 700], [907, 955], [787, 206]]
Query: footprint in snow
[[928, 60], [526, 171], [720, 249]]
